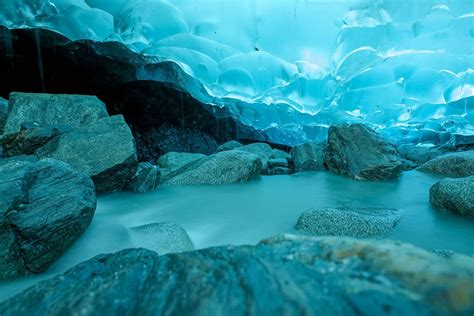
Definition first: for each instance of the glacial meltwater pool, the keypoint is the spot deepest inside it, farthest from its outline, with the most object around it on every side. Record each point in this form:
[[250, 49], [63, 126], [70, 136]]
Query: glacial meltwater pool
[[247, 213]]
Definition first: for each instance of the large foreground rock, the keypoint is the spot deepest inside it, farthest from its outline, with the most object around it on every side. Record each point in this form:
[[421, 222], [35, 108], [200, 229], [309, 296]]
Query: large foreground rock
[[353, 222], [44, 207], [308, 156], [104, 149], [232, 166], [454, 195], [358, 152], [459, 164], [286, 275], [51, 109]]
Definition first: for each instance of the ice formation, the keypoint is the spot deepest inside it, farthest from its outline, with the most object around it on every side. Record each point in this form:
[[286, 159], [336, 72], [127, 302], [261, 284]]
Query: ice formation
[[295, 67]]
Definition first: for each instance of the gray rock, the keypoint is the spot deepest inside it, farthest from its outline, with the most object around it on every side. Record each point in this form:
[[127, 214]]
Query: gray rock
[[231, 166], [162, 238], [277, 162], [449, 253], [146, 178], [280, 154], [105, 150], [174, 160], [308, 156], [44, 207], [459, 164], [279, 171], [360, 153], [230, 145], [262, 150], [51, 109], [3, 113], [454, 195], [285, 275], [419, 154], [352, 222]]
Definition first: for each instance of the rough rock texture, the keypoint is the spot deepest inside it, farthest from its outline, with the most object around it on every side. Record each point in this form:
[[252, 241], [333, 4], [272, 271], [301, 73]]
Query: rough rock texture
[[280, 154], [308, 156], [285, 275], [358, 152], [51, 109], [278, 166], [3, 113], [449, 253], [146, 178], [232, 166], [162, 238], [352, 222], [44, 207], [105, 150], [174, 160], [418, 154], [454, 195], [459, 164], [230, 145]]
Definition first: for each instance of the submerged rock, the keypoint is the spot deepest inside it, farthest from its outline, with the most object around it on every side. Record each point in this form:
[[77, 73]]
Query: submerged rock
[[285, 275], [146, 178], [232, 166], [454, 195], [459, 164], [162, 237], [51, 109], [308, 156], [358, 152], [44, 207], [105, 150], [3, 113], [352, 222], [230, 145]]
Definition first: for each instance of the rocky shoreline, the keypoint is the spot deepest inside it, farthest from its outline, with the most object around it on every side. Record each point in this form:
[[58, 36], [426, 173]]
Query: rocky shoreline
[[58, 152]]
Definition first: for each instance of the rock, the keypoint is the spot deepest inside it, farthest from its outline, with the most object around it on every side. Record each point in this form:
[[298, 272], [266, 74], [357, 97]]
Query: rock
[[27, 141], [449, 253], [262, 150], [278, 162], [419, 154], [3, 113], [162, 238], [454, 195], [459, 164], [352, 222], [360, 153], [174, 160], [232, 166], [285, 275], [105, 150], [44, 207], [230, 145], [51, 109], [278, 166], [279, 154], [146, 178], [308, 156]]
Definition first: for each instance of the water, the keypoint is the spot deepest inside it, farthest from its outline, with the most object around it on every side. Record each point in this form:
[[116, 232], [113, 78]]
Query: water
[[247, 213]]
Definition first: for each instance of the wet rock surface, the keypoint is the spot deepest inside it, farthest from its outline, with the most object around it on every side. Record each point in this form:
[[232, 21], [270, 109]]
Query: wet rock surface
[[145, 179], [347, 221], [454, 195], [44, 207], [174, 160], [308, 156], [358, 152], [283, 275], [458, 164], [232, 166]]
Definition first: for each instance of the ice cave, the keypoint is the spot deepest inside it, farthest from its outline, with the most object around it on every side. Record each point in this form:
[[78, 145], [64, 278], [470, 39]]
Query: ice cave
[[236, 157]]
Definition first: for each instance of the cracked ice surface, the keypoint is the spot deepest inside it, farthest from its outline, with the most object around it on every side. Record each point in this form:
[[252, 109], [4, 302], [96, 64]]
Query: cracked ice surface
[[295, 67]]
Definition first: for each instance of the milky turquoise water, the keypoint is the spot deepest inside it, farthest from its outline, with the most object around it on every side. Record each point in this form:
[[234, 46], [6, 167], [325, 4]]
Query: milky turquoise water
[[247, 213]]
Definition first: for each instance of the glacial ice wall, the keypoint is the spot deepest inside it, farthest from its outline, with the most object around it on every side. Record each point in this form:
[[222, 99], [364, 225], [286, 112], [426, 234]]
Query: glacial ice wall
[[294, 67]]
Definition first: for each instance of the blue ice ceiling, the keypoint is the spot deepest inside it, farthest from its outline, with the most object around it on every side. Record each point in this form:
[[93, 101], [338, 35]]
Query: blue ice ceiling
[[294, 67]]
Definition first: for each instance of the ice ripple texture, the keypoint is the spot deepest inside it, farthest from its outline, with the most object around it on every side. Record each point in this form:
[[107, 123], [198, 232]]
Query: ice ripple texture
[[292, 68]]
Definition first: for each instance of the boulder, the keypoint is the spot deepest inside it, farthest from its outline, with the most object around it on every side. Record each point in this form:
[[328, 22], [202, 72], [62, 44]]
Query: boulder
[[105, 150], [232, 166], [146, 178], [174, 160], [308, 156], [3, 113], [230, 145], [419, 154], [278, 166], [50, 109], [161, 237], [454, 195], [459, 164], [280, 154], [262, 150], [360, 153], [346, 221], [285, 275], [44, 207]]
